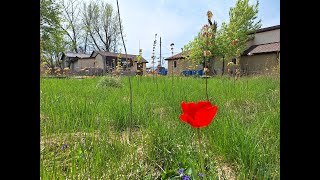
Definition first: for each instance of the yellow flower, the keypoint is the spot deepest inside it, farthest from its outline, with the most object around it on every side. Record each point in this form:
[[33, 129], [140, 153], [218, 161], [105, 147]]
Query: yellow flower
[[209, 14], [230, 64], [207, 53]]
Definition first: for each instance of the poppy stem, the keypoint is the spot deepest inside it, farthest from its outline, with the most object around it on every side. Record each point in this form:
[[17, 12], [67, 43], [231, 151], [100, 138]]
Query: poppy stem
[[200, 152]]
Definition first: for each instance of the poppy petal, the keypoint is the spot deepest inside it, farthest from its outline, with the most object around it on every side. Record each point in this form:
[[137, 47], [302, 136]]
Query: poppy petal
[[194, 123], [184, 107], [204, 104], [189, 108], [204, 116], [184, 117]]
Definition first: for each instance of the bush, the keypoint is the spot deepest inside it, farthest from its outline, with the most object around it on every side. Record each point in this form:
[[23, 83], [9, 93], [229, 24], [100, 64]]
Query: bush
[[109, 81]]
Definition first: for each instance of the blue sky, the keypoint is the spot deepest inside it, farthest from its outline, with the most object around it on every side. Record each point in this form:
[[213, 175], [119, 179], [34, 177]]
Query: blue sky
[[178, 21]]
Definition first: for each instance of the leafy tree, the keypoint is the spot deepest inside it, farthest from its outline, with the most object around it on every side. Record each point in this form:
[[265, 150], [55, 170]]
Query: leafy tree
[[52, 43], [233, 36], [49, 16], [53, 48], [204, 41], [230, 40]]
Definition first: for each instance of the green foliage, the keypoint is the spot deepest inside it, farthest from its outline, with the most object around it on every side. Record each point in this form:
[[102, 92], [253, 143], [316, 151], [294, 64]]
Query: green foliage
[[52, 44], [242, 20], [49, 16], [243, 139], [110, 81], [185, 169]]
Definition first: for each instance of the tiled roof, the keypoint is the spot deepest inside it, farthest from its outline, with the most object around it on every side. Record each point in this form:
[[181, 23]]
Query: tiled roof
[[79, 55], [263, 48], [111, 54], [177, 56]]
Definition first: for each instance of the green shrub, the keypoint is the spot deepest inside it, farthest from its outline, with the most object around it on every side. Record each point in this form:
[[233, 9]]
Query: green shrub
[[109, 81]]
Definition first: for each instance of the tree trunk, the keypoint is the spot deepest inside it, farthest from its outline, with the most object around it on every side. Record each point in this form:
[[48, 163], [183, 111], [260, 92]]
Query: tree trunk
[[211, 66], [222, 65]]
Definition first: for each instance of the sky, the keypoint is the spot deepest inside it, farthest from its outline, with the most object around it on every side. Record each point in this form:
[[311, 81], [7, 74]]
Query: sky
[[178, 22]]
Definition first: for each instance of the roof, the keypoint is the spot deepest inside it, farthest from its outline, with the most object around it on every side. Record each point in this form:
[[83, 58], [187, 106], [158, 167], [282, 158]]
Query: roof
[[79, 55], [266, 29], [111, 54], [263, 48], [177, 56]]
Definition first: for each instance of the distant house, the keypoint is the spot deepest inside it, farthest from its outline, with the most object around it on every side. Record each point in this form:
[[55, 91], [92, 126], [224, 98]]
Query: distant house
[[101, 60], [177, 64], [77, 61], [110, 61], [263, 52], [261, 55]]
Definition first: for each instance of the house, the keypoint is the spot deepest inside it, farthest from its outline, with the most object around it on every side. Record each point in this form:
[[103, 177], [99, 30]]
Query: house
[[263, 51], [76, 61], [110, 61], [106, 61], [261, 55], [177, 64]]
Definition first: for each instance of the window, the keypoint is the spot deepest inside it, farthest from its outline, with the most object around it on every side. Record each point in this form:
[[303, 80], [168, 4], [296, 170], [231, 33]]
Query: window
[[174, 64], [125, 63]]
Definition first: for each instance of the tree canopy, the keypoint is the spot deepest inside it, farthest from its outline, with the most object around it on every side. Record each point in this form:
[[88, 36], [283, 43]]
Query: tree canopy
[[226, 41]]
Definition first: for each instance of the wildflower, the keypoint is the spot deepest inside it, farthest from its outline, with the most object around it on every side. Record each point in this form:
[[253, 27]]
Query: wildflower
[[200, 175], [209, 14], [235, 42], [205, 28], [180, 171], [205, 69], [64, 146], [185, 177], [238, 52], [207, 53], [230, 64], [199, 114]]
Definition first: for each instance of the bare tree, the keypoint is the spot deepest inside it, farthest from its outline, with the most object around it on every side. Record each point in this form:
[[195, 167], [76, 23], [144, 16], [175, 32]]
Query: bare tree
[[88, 17], [101, 26], [71, 22]]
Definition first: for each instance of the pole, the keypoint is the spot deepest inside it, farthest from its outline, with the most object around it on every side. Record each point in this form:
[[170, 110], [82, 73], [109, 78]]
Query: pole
[[160, 52]]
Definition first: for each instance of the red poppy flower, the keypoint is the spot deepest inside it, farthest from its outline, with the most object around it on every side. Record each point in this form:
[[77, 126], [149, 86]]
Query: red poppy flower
[[199, 114]]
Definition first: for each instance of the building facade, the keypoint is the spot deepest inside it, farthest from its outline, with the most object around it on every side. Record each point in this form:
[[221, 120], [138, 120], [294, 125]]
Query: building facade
[[261, 56], [104, 61]]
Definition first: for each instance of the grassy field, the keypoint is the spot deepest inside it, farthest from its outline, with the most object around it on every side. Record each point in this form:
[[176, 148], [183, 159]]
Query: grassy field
[[85, 129]]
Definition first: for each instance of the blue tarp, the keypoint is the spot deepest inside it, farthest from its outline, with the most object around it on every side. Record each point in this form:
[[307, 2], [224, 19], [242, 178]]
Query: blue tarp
[[163, 71], [192, 72]]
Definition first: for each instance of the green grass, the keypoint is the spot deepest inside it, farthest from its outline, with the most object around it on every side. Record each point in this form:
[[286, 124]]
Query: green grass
[[242, 142]]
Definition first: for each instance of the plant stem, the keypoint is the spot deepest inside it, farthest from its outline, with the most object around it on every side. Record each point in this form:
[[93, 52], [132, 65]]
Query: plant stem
[[130, 120], [172, 77], [124, 45], [206, 68], [207, 88], [200, 152]]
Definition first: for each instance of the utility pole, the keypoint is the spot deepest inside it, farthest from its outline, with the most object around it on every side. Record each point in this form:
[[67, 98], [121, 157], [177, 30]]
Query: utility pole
[[160, 52]]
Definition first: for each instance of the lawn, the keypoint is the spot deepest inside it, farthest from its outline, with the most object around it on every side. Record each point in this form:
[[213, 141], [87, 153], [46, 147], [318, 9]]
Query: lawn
[[86, 134]]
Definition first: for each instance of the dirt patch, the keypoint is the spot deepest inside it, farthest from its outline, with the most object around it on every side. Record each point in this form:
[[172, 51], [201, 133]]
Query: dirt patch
[[225, 170], [43, 117]]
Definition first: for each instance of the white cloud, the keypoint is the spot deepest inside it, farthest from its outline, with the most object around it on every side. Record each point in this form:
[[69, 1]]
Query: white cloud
[[141, 22], [175, 21]]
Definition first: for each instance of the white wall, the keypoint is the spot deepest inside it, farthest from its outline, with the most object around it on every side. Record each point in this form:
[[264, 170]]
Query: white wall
[[267, 37]]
